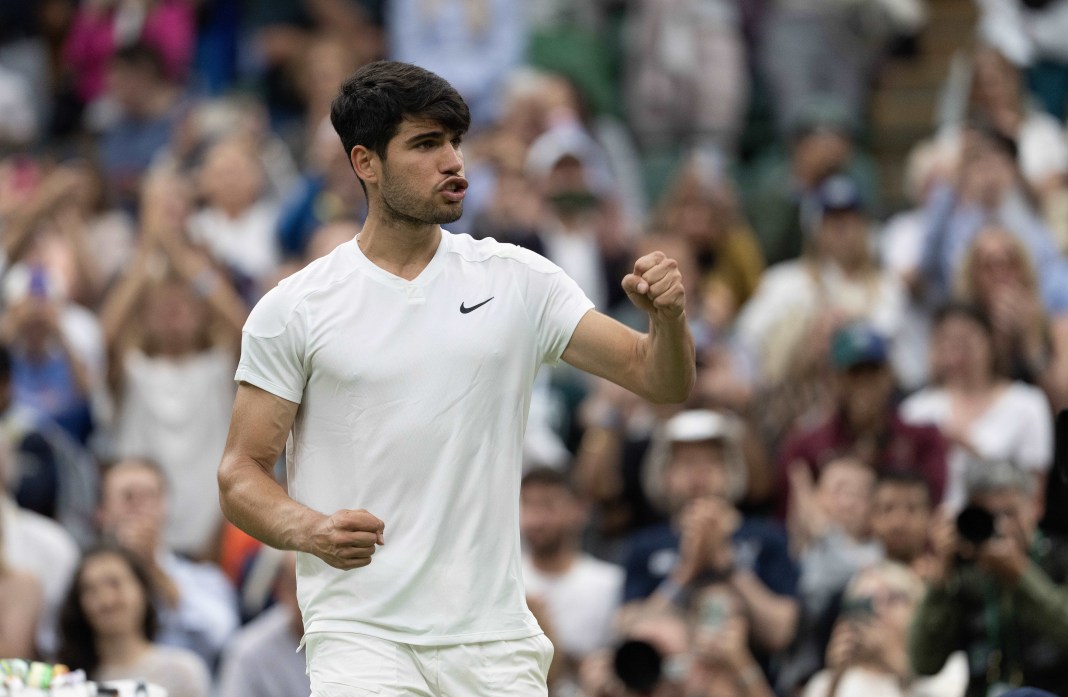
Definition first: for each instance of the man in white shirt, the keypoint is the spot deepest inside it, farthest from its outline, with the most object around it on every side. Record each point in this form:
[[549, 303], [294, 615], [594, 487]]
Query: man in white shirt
[[401, 411], [580, 593]]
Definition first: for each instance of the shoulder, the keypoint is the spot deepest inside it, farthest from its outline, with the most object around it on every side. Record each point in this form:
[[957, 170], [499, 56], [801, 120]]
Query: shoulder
[[279, 305], [599, 570], [47, 537], [176, 660], [927, 405], [488, 249], [1023, 395]]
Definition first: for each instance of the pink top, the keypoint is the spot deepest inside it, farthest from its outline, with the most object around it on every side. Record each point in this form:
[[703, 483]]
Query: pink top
[[169, 28]]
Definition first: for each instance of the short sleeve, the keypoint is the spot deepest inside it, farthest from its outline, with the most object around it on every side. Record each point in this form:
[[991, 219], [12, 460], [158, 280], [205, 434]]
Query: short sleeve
[[555, 304], [273, 344]]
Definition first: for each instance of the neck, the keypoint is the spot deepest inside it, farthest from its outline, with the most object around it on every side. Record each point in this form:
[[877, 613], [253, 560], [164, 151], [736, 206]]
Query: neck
[[121, 650], [555, 562], [973, 385], [403, 250]]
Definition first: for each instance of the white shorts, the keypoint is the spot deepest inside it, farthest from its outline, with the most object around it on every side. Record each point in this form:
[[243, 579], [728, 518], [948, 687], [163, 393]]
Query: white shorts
[[357, 665]]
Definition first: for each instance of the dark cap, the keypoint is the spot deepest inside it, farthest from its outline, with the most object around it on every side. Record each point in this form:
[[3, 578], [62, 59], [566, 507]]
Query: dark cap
[[840, 193], [857, 344]]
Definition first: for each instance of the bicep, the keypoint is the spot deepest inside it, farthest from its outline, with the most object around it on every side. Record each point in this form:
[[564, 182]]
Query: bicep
[[259, 425], [606, 348]]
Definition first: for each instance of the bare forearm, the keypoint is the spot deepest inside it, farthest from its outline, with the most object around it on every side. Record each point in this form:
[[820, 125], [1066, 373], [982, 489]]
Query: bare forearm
[[774, 617], [669, 358], [253, 501]]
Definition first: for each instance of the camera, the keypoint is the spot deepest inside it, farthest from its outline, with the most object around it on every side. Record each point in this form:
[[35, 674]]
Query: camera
[[638, 665], [975, 524]]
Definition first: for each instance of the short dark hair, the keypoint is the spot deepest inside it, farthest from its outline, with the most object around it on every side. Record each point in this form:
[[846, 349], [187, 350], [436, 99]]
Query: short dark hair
[[546, 476], [372, 102], [966, 310], [904, 478], [141, 56]]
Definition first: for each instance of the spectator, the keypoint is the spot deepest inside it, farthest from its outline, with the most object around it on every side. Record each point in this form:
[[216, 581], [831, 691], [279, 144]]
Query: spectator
[[38, 545], [868, 654], [150, 108], [672, 99], [788, 323], [723, 664], [901, 515], [21, 601], [653, 657], [57, 478], [783, 200], [262, 659], [988, 190], [996, 94], [1030, 344], [195, 604], [982, 413], [865, 422], [1001, 599], [237, 223], [813, 50], [47, 374], [475, 46], [580, 593], [701, 206], [901, 241], [829, 535], [324, 194], [103, 27], [172, 368], [572, 172], [108, 625], [707, 538], [829, 528]]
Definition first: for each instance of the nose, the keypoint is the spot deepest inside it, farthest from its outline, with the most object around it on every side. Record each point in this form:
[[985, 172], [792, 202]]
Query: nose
[[452, 161]]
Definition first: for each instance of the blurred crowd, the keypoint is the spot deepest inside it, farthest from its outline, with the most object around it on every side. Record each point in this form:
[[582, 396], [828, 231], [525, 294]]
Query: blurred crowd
[[859, 497]]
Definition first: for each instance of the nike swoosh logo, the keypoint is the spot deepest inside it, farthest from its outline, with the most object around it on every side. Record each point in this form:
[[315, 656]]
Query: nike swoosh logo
[[465, 310]]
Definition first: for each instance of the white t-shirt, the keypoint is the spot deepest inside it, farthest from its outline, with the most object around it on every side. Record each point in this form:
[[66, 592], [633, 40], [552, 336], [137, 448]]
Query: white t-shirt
[[581, 602], [1017, 427], [177, 413], [413, 401]]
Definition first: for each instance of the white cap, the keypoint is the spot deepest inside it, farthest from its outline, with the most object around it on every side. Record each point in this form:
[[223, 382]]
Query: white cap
[[695, 426], [699, 425]]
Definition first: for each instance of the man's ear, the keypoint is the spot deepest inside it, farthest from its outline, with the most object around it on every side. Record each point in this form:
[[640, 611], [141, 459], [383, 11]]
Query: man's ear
[[364, 163]]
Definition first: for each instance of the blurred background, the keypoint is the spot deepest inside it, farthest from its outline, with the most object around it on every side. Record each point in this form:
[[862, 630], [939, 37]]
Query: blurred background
[[868, 200]]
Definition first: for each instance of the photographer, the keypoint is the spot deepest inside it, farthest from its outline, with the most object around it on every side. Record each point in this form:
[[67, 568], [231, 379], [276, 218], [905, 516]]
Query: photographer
[[996, 590]]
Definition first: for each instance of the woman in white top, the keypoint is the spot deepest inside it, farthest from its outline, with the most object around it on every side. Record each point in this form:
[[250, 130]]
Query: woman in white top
[[987, 416], [107, 626]]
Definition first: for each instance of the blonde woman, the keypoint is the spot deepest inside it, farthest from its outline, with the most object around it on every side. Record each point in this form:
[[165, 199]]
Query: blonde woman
[[1030, 345], [867, 655]]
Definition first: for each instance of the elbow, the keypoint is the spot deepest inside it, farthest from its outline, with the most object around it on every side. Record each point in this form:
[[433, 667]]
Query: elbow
[[675, 392], [225, 479]]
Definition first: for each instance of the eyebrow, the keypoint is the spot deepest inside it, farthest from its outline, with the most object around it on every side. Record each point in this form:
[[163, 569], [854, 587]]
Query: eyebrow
[[425, 135]]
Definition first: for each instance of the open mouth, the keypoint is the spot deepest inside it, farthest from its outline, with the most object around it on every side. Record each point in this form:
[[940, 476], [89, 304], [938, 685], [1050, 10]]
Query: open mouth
[[454, 189]]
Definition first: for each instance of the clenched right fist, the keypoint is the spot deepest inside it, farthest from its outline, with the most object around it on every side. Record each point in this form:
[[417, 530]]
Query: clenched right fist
[[347, 539]]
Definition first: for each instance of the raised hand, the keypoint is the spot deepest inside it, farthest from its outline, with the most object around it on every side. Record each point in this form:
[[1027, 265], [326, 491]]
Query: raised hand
[[655, 286], [347, 539]]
